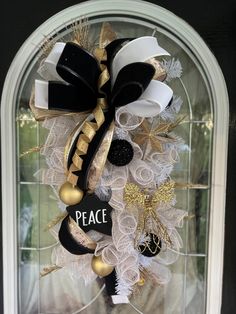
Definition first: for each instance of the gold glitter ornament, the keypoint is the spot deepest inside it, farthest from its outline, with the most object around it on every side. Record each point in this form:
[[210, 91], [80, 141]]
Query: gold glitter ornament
[[101, 268], [69, 194], [149, 223], [164, 194]]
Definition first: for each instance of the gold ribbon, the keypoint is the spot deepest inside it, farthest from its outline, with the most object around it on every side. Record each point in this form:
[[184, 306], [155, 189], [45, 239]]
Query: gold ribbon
[[77, 233], [80, 236], [87, 134], [107, 35]]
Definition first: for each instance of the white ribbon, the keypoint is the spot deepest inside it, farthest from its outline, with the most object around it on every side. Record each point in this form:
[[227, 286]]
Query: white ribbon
[[152, 101], [41, 94], [52, 59], [137, 50], [48, 70]]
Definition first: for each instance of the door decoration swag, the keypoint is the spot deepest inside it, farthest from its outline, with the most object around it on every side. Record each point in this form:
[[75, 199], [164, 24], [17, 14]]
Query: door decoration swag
[[110, 152]]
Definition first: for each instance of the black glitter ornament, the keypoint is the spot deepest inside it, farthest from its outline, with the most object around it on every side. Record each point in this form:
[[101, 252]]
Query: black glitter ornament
[[152, 247], [121, 153]]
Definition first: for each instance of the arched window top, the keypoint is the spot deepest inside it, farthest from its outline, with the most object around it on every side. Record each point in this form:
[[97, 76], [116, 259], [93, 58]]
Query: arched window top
[[205, 105]]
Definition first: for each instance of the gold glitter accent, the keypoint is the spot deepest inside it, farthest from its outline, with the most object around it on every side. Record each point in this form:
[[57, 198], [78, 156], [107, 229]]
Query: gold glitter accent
[[81, 33], [35, 149], [149, 222], [49, 269], [107, 35], [190, 186], [56, 220], [164, 194]]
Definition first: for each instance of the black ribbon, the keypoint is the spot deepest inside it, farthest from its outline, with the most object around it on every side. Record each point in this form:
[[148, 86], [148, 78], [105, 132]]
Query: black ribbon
[[80, 71], [68, 242]]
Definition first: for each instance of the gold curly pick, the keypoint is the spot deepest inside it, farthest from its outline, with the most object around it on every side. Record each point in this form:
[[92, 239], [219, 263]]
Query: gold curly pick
[[149, 221]]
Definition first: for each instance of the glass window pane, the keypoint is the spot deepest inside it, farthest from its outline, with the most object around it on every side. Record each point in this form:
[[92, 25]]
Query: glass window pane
[[38, 204]]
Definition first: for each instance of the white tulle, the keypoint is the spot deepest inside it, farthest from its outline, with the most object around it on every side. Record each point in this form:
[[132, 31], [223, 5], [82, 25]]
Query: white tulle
[[170, 112], [77, 266], [60, 129], [126, 120], [173, 69], [142, 173]]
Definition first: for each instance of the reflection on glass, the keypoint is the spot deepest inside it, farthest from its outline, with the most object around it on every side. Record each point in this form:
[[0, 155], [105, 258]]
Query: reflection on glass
[[37, 204]]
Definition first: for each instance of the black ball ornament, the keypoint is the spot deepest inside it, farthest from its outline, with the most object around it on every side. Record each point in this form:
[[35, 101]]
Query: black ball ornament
[[121, 153], [152, 247]]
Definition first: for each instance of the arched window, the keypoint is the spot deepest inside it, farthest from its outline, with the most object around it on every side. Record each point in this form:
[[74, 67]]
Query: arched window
[[196, 282]]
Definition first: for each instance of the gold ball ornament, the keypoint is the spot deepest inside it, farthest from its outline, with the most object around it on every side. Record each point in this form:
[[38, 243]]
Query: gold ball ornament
[[100, 268], [141, 282], [69, 194]]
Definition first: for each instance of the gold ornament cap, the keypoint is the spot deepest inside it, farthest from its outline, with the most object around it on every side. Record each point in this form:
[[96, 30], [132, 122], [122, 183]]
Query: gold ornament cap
[[69, 194], [101, 268]]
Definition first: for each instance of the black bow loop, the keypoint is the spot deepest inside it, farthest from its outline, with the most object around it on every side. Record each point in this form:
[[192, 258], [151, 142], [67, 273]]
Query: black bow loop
[[80, 71], [131, 82], [78, 67]]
